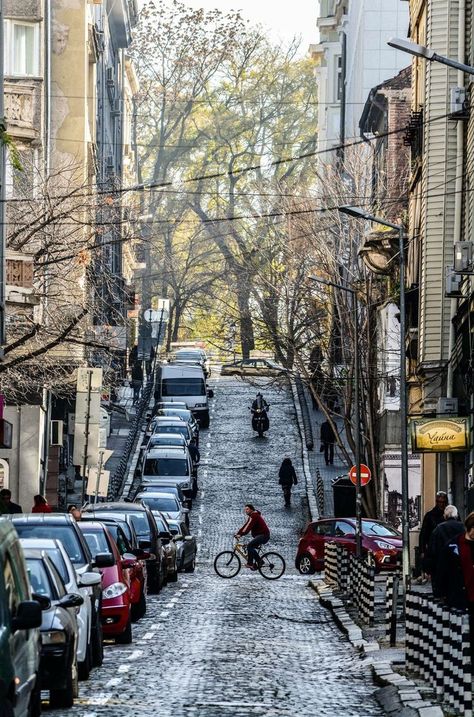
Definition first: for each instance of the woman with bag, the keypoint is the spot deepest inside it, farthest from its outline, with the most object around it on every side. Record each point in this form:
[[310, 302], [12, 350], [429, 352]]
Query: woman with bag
[[287, 478]]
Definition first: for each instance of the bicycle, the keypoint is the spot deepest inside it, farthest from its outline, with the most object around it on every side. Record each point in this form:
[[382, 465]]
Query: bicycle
[[227, 564]]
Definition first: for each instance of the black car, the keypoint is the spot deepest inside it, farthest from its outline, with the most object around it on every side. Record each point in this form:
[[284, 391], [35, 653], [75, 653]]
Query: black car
[[147, 532], [64, 528], [58, 661]]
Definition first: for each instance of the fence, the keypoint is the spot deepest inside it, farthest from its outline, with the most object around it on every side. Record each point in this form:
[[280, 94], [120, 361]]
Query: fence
[[438, 649]]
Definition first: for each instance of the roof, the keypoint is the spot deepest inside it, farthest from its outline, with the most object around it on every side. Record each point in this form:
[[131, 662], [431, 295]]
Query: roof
[[119, 507], [38, 518], [373, 106]]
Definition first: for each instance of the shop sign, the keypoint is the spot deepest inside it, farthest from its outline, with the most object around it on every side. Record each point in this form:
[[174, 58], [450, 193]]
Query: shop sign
[[439, 435]]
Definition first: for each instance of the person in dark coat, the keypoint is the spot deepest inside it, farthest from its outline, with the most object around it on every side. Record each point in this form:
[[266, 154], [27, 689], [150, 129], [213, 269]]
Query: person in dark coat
[[137, 380], [287, 479], [10, 507], [431, 520], [456, 573], [440, 537], [328, 438]]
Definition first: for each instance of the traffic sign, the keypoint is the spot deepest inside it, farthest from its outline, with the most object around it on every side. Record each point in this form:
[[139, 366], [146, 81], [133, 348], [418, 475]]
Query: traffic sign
[[365, 474]]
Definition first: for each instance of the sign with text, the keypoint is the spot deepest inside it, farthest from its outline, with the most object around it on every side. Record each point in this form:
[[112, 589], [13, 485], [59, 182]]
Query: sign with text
[[89, 377], [439, 435]]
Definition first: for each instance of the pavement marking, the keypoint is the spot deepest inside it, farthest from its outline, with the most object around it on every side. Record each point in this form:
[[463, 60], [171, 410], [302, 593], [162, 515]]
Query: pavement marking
[[203, 493], [135, 654], [148, 635], [208, 444], [99, 699], [200, 519], [114, 682], [164, 613], [199, 533], [123, 668], [171, 604]]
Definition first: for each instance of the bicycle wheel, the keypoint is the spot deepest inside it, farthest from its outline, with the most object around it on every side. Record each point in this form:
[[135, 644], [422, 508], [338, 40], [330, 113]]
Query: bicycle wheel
[[227, 564], [272, 566]]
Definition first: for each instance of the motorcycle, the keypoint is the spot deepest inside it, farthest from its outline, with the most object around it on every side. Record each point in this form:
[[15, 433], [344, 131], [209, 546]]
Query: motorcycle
[[260, 421]]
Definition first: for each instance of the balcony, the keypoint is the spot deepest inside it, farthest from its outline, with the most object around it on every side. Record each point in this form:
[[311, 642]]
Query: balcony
[[19, 279], [23, 108]]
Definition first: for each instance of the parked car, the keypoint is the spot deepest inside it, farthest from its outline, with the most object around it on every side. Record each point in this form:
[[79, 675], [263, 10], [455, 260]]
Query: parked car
[[186, 545], [164, 503], [145, 527], [162, 486], [169, 545], [116, 611], [171, 424], [64, 528], [185, 416], [59, 631], [166, 440], [253, 367], [120, 530], [20, 618], [170, 463], [193, 356], [56, 552], [378, 538]]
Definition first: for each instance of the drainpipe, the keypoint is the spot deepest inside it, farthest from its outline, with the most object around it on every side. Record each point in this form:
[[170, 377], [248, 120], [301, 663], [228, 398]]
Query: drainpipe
[[342, 126], [2, 189], [457, 234]]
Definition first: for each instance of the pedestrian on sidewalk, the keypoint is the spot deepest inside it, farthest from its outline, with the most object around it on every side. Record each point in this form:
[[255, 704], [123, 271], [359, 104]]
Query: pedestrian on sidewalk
[[137, 380], [450, 528], [10, 507], [75, 512], [41, 505], [328, 438], [431, 520], [456, 575], [287, 479]]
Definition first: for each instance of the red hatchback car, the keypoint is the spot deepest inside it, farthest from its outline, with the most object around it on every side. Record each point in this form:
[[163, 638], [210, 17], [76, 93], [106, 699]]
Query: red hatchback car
[[116, 602], [380, 539]]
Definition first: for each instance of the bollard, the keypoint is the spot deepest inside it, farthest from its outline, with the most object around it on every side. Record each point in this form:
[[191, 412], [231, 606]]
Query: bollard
[[393, 616]]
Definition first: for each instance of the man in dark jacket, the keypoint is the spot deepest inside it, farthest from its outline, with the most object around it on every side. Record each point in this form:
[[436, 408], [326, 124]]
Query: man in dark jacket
[[255, 525], [431, 520], [10, 506], [440, 537], [137, 380], [328, 438], [287, 478]]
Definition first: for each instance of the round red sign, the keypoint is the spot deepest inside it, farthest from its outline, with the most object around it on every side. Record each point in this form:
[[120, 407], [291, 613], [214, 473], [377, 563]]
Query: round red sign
[[365, 474]]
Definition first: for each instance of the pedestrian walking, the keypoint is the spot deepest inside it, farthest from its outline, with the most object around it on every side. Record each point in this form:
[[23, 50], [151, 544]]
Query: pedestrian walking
[[10, 507], [137, 380], [440, 537], [149, 362], [431, 520], [287, 479], [328, 438], [41, 505], [456, 574]]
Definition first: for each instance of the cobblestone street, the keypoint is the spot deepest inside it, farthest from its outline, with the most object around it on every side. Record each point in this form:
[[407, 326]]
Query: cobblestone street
[[211, 647]]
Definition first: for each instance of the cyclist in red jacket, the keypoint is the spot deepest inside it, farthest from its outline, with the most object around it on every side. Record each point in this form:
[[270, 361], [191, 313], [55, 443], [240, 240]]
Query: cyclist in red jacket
[[255, 525]]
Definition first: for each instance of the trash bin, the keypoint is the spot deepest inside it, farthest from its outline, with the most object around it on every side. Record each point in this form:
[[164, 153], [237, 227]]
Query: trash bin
[[344, 495]]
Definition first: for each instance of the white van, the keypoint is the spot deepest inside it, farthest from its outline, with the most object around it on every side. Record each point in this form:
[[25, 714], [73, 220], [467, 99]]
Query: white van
[[178, 382]]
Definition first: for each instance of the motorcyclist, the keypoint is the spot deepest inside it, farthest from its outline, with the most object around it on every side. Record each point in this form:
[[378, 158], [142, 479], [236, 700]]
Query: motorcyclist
[[259, 403]]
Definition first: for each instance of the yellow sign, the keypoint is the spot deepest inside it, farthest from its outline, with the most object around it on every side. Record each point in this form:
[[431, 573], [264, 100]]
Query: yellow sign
[[439, 435]]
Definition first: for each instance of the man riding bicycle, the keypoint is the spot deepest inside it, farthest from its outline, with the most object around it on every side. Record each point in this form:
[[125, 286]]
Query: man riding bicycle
[[255, 525]]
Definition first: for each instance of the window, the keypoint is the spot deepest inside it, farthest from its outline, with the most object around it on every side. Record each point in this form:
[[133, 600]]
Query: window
[[12, 593], [165, 467], [183, 387], [344, 529], [21, 48], [339, 79], [324, 528]]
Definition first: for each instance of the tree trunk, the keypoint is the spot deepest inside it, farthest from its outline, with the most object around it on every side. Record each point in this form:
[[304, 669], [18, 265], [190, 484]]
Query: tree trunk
[[247, 340]]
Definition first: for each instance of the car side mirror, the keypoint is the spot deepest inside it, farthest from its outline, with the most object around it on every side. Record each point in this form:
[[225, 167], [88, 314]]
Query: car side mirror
[[144, 544], [88, 580], [71, 600], [43, 600], [28, 615], [188, 537], [210, 393], [141, 554], [104, 560], [185, 510], [128, 560], [165, 535]]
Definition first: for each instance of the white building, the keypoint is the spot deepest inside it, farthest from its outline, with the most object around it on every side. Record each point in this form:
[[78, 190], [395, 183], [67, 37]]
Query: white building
[[353, 56]]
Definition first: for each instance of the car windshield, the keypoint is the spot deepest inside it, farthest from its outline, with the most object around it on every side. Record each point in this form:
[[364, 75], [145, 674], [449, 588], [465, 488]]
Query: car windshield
[[57, 559], [166, 441], [140, 523], [173, 428], [67, 536], [183, 387], [39, 580], [96, 540], [166, 467], [167, 505], [379, 529], [180, 412]]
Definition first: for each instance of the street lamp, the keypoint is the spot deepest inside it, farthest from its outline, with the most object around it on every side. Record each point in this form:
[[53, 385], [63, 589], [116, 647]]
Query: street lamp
[[428, 54], [361, 214], [353, 292]]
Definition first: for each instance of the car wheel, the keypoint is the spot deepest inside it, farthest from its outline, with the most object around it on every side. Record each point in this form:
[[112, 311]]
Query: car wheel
[[173, 578], [126, 637], [139, 609], [204, 421], [97, 644], [154, 579], [63, 698], [305, 565], [190, 567], [34, 708], [84, 667]]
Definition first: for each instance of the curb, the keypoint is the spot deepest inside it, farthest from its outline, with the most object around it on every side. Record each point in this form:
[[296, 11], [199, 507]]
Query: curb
[[397, 695], [310, 492]]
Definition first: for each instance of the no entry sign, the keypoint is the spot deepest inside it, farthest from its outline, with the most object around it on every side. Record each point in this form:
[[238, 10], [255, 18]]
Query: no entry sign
[[365, 474]]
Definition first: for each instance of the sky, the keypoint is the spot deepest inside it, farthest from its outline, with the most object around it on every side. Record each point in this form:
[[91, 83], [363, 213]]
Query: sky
[[284, 19]]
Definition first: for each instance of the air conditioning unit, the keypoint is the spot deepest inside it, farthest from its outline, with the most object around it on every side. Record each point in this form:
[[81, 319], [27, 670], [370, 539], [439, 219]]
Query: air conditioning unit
[[116, 107], [464, 257], [459, 106], [56, 433], [110, 75], [447, 406], [452, 285]]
